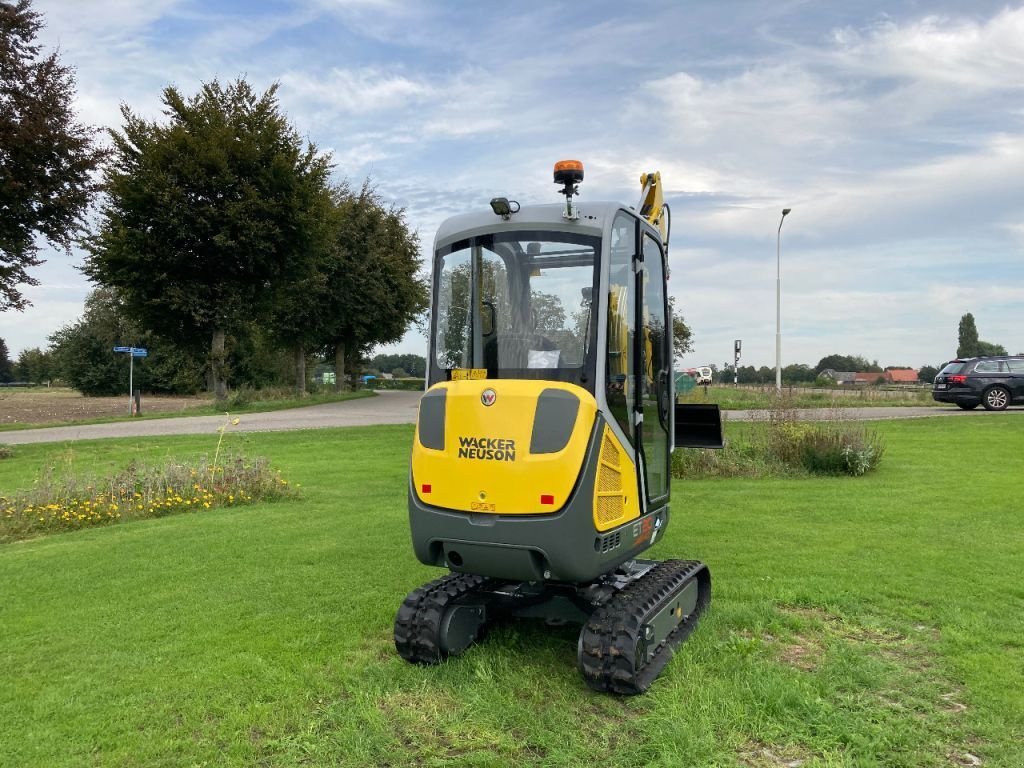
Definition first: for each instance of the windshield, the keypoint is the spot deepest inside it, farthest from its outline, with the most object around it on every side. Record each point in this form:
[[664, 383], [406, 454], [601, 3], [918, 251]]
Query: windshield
[[516, 305]]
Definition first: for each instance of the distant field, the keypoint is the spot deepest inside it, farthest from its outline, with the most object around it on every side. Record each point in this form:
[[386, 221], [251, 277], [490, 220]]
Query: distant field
[[20, 409], [40, 405], [855, 622]]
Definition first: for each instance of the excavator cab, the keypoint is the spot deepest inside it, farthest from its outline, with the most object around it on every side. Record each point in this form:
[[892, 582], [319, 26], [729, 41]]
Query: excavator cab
[[541, 461]]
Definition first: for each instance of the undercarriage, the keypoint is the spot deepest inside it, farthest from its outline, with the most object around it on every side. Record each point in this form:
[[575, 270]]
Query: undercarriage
[[632, 618]]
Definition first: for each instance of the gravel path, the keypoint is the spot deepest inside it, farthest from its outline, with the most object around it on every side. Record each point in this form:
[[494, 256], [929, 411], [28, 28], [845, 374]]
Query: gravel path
[[386, 408]]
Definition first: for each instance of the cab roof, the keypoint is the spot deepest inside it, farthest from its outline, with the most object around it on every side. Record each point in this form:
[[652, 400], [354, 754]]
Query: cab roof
[[592, 221]]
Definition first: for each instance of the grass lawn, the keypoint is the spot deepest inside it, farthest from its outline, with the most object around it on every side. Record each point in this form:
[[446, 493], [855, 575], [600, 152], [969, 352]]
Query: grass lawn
[[876, 621]]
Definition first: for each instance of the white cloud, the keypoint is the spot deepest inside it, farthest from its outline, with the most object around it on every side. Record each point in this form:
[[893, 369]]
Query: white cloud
[[967, 54]]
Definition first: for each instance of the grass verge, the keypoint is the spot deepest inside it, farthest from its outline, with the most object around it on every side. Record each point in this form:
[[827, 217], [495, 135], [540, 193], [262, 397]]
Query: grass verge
[[874, 621], [739, 398]]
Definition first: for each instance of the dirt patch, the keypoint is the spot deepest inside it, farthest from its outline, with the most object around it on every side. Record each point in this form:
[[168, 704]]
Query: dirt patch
[[801, 652], [53, 406], [757, 754], [966, 759]]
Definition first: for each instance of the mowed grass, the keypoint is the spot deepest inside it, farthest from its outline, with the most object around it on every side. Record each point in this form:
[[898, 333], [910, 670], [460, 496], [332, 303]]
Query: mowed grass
[[855, 622]]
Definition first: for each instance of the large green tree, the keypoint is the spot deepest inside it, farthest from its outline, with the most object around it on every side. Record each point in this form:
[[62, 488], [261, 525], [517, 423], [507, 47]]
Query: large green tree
[[46, 156], [373, 287], [207, 213], [970, 345], [967, 337]]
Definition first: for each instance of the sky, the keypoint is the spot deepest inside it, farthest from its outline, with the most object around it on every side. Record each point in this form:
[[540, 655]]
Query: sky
[[894, 131]]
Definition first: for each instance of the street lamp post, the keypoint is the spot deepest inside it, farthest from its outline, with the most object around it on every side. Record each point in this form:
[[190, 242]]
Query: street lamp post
[[778, 303]]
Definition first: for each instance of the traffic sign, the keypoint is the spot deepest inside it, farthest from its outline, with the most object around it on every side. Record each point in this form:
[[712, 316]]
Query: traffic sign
[[122, 349], [139, 352]]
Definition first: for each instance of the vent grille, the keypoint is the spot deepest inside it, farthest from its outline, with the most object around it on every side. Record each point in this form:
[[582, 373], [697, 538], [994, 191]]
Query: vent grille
[[610, 507], [611, 541], [609, 455], [609, 480]]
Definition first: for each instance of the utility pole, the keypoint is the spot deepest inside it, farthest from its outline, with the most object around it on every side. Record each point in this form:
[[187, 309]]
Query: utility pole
[[778, 303]]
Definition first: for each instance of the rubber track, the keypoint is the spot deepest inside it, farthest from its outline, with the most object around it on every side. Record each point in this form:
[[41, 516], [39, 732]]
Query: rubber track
[[418, 623], [608, 640]]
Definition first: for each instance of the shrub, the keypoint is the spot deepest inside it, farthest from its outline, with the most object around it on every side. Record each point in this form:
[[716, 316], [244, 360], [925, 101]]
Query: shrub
[[5, 452], [63, 501], [780, 444], [840, 449], [409, 385]]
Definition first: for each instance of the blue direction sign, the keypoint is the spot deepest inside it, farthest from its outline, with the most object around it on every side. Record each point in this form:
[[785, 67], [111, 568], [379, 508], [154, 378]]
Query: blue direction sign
[[133, 351]]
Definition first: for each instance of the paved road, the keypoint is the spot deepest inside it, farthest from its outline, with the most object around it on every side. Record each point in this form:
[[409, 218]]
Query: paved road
[[386, 408]]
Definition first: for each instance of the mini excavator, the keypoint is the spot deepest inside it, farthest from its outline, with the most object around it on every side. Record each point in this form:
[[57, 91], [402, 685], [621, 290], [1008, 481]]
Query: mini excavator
[[541, 460]]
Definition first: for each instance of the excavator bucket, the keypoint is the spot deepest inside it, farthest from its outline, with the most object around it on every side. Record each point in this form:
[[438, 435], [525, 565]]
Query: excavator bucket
[[698, 425]]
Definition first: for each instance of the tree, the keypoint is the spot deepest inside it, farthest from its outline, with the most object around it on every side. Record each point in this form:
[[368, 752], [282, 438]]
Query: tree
[[34, 366], [986, 348], [682, 335], [46, 157], [797, 373], [373, 289], [414, 365], [6, 369], [927, 373], [836, 363], [207, 213], [83, 355], [846, 363], [967, 336]]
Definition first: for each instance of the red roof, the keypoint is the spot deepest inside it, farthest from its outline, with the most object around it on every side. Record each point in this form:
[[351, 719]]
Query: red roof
[[902, 376]]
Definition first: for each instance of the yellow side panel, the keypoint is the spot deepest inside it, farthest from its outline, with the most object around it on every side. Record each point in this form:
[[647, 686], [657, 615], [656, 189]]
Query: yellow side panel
[[486, 464], [615, 491]]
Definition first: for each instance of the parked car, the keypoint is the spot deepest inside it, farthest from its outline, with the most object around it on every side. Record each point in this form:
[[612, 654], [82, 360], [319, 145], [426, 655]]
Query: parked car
[[994, 382]]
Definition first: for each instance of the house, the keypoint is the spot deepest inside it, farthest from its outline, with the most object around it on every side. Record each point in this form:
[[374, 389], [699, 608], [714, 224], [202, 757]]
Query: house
[[901, 376], [839, 377], [864, 378]]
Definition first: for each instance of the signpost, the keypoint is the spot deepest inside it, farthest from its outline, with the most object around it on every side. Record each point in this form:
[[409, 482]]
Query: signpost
[[132, 353]]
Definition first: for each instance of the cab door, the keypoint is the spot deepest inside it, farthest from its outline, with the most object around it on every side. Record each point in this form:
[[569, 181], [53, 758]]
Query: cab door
[[655, 374]]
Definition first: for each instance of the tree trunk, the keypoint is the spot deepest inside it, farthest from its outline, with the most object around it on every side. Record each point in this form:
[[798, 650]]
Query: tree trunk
[[352, 361], [300, 370], [339, 367], [218, 365]]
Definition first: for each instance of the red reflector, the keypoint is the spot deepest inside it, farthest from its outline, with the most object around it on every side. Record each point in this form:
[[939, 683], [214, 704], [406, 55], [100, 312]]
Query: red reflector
[[547, 498], [425, 488]]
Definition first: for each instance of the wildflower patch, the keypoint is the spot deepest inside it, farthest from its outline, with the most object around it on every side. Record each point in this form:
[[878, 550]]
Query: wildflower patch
[[64, 501]]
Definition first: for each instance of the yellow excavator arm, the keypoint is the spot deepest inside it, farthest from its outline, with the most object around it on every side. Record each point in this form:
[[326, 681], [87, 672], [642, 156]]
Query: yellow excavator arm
[[652, 204]]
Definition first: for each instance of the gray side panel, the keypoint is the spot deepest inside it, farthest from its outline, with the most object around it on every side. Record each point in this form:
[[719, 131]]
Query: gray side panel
[[432, 414], [553, 421]]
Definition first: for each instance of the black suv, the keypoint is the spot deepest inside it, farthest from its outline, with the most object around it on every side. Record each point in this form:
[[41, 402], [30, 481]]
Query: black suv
[[994, 382]]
